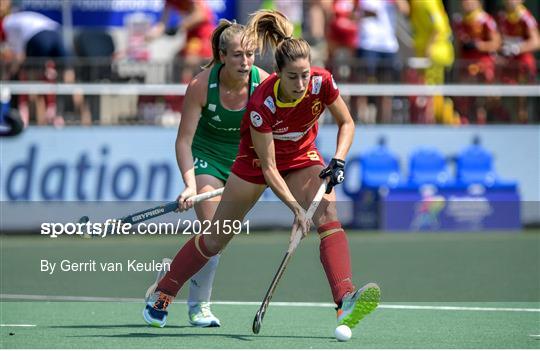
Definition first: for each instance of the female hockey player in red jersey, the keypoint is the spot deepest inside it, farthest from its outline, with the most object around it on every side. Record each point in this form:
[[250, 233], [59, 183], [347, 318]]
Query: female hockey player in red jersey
[[277, 149]]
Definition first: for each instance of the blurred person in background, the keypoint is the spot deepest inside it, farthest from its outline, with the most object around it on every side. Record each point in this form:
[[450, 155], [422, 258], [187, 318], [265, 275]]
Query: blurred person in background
[[520, 39], [198, 23], [432, 36], [377, 50], [477, 41], [207, 144], [36, 48], [315, 21], [11, 123], [341, 37], [9, 67]]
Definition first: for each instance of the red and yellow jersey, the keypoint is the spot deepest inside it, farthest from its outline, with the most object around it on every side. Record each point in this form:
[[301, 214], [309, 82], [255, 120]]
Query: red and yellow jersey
[[515, 26], [294, 125], [475, 26]]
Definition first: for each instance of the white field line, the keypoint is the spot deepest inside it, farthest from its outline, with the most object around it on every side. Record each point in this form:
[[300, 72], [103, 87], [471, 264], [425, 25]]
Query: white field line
[[254, 303], [17, 325]]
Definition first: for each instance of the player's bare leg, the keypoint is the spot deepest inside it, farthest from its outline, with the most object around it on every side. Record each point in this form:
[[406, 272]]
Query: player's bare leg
[[303, 184], [237, 199]]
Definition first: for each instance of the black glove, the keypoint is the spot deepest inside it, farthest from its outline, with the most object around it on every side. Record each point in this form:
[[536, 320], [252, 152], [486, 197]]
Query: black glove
[[469, 45], [336, 172]]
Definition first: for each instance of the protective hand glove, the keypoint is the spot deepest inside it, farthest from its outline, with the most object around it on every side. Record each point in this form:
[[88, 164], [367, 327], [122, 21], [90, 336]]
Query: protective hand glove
[[469, 45], [336, 172], [510, 49]]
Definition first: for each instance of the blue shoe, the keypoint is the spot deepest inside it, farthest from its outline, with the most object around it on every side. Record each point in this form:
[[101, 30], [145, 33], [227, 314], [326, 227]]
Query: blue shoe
[[155, 312], [355, 306], [166, 263], [200, 315]]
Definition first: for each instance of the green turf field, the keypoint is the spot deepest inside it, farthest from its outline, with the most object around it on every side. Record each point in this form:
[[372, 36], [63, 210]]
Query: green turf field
[[439, 290]]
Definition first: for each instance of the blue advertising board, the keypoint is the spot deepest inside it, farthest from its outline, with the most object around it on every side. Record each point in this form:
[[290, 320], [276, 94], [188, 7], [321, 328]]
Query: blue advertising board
[[111, 13], [99, 164], [89, 165], [453, 209], [58, 174], [94, 164]]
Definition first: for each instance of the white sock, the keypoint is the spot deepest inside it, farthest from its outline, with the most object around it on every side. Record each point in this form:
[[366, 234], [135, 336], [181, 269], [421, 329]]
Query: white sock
[[200, 285]]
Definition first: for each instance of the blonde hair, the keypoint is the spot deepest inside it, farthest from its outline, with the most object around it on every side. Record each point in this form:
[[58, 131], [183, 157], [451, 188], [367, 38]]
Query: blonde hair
[[221, 37], [271, 29]]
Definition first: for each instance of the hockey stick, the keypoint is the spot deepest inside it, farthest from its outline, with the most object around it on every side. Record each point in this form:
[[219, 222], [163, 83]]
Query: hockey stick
[[297, 236], [168, 207]]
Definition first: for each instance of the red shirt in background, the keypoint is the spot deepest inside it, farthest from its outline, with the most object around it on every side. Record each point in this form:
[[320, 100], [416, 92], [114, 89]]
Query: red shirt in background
[[472, 27], [515, 27], [343, 30], [198, 38], [475, 26]]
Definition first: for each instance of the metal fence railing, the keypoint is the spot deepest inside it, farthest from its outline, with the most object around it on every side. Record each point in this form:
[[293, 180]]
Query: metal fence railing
[[105, 91]]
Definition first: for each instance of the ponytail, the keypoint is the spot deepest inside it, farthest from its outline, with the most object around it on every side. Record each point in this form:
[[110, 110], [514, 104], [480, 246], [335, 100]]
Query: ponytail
[[221, 37], [267, 28], [271, 29]]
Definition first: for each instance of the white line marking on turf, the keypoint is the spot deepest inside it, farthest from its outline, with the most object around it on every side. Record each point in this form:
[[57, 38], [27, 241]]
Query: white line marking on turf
[[397, 307], [17, 325], [461, 308], [69, 298], [255, 303]]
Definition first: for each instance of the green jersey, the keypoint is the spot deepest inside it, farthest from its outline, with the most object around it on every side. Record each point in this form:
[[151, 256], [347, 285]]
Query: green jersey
[[216, 139]]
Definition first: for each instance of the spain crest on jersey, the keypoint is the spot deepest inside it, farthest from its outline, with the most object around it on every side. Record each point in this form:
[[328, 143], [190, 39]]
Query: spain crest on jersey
[[316, 108]]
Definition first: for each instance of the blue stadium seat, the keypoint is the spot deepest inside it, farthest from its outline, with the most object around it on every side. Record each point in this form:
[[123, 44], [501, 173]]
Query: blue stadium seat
[[428, 166], [474, 165], [380, 167]]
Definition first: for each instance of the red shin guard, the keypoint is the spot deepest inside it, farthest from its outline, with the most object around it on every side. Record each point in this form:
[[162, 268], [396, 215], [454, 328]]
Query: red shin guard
[[335, 258], [188, 261]]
